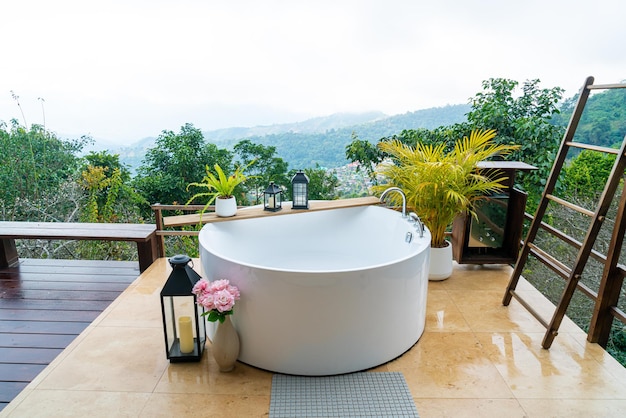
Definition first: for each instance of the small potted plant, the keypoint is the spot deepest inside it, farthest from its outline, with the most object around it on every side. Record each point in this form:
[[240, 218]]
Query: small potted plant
[[220, 188], [440, 186]]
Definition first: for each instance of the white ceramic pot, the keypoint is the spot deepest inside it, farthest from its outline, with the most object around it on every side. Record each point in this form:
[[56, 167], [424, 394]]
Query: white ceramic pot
[[440, 263], [226, 207]]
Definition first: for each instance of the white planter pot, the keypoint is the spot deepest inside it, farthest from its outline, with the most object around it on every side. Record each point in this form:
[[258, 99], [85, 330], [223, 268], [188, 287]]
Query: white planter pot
[[440, 263], [225, 207]]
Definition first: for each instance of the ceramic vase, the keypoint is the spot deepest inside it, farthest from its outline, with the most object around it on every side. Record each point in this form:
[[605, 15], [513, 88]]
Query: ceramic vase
[[225, 207], [225, 345], [440, 263]]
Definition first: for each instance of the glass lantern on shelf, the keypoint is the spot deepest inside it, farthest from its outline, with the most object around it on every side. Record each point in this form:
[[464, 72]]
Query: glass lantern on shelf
[[300, 191], [184, 327], [272, 198]]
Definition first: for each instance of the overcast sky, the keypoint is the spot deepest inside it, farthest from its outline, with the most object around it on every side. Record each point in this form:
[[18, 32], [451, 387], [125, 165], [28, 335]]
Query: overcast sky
[[122, 70]]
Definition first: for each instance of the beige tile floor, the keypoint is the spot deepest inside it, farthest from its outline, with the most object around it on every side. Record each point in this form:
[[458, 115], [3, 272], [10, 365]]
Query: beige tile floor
[[476, 358]]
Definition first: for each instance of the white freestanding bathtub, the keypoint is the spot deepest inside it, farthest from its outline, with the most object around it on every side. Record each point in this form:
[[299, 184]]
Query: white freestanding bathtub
[[324, 292]]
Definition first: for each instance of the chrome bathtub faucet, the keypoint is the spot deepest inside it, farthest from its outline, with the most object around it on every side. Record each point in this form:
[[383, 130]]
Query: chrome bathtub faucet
[[399, 190], [419, 225]]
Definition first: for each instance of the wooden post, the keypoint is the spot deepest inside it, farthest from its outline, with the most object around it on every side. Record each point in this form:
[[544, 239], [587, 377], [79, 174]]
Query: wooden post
[[147, 252], [158, 220], [611, 283], [8, 253]]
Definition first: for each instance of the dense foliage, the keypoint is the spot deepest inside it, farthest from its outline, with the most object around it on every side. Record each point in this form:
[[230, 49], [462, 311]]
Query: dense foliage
[[603, 122], [519, 119], [524, 119], [32, 163], [176, 161], [110, 197], [263, 167], [323, 184]]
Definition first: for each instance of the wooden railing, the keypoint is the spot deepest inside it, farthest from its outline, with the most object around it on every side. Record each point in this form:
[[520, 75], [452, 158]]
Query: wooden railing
[[161, 214]]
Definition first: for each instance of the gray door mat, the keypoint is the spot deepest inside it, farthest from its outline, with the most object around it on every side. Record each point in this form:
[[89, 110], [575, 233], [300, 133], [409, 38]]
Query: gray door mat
[[364, 394]]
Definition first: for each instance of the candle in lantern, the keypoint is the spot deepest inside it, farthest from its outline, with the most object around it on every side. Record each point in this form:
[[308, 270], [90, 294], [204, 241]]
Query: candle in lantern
[[186, 334]]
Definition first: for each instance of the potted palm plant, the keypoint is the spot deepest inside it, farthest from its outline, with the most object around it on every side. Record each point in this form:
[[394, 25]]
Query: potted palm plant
[[219, 188], [440, 185]]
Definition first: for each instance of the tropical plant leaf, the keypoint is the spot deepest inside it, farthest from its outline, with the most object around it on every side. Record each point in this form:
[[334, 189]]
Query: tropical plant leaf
[[440, 186]]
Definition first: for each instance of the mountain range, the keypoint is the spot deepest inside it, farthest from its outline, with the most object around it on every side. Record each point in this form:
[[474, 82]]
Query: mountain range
[[317, 141]]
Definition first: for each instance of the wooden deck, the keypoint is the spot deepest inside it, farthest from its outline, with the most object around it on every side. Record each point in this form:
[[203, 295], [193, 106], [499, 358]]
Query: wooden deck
[[44, 305]]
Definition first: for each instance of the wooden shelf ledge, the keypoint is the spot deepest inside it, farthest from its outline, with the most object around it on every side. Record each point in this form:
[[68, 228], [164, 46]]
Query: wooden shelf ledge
[[258, 211]]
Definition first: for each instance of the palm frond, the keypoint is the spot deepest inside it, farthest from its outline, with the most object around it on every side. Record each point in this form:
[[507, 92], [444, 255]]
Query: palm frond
[[438, 185]]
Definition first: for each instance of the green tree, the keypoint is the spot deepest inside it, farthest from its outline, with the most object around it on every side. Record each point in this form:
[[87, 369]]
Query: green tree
[[524, 119], [585, 176], [107, 184], [366, 154], [110, 162], [322, 184], [263, 167], [34, 162], [174, 162], [603, 122]]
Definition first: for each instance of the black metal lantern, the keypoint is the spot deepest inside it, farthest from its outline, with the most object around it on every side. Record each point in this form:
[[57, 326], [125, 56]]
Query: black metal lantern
[[300, 191], [272, 198], [183, 324]]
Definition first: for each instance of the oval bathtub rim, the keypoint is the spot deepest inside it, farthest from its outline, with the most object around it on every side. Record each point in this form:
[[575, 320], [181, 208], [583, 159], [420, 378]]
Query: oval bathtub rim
[[415, 242]]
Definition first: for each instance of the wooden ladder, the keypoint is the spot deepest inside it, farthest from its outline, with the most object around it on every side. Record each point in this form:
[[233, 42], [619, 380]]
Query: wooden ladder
[[572, 274]]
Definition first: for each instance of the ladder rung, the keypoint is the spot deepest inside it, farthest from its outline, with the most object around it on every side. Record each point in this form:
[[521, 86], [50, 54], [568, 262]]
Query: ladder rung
[[606, 86], [619, 314], [615, 310], [555, 265], [593, 147], [529, 308], [570, 205], [591, 294], [598, 256], [560, 269]]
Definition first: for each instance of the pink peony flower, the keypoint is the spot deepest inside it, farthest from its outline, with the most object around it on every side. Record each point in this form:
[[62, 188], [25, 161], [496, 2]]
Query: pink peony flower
[[201, 286], [224, 300], [234, 291], [217, 297], [219, 285], [206, 300]]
